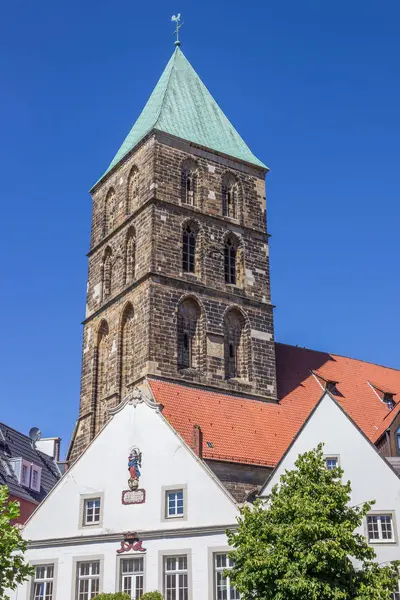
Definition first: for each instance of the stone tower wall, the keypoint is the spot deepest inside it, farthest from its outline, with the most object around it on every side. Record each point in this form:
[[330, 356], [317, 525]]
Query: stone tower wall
[[157, 218]]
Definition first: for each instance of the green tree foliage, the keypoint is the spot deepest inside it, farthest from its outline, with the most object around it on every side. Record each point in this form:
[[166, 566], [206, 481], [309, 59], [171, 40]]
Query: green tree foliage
[[301, 543], [152, 596], [13, 569], [116, 596]]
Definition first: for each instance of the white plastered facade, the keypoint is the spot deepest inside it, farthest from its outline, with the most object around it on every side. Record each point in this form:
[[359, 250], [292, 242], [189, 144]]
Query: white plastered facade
[[371, 476], [55, 532]]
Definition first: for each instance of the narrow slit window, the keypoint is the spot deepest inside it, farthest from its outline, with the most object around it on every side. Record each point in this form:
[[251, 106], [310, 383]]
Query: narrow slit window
[[230, 262], [189, 250], [186, 353]]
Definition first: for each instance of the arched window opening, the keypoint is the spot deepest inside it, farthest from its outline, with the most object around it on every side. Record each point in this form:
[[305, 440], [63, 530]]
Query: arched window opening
[[109, 213], [230, 197], [190, 183], [130, 257], [236, 346], [189, 335], [127, 350], [230, 261], [107, 273], [133, 190], [102, 375], [189, 249]]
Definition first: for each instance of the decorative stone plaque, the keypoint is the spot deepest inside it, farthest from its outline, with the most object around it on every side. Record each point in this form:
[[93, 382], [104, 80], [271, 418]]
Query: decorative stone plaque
[[133, 496]]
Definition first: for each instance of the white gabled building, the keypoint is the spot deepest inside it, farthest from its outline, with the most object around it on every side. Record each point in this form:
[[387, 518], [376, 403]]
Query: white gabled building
[[93, 533], [161, 524], [371, 476]]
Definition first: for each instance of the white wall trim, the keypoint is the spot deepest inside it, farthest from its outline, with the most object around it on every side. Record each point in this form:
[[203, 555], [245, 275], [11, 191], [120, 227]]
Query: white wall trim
[[144, 535]]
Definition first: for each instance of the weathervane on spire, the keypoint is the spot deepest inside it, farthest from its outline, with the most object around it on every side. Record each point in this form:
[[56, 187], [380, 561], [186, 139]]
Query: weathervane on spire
[[177, 19]]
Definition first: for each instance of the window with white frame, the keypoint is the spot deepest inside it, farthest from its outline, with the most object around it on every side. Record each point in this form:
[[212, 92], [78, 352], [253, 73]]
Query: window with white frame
[[176, 578], [91, 511], [131, 580], [223, 590], [36, 474], [331, 462], [380, 528], [174, 504], [87, 580], [43, 582], [25, 474]]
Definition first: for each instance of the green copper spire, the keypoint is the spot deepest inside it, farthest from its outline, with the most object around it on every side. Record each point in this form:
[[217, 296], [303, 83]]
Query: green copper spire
[[182, 106]]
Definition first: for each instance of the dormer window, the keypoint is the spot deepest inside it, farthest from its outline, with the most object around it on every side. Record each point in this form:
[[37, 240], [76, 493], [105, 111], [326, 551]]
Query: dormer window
[[36, 474], [388, 399], [25, 474], [329, 385], [384, 395], [28, 474]]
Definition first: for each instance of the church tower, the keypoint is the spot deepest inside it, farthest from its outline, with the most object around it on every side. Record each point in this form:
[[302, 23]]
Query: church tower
[[179, 284]]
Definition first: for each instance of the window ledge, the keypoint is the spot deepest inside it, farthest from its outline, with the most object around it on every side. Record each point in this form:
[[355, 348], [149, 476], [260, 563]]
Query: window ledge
[[188, 371], [239, 381], [234, 287]]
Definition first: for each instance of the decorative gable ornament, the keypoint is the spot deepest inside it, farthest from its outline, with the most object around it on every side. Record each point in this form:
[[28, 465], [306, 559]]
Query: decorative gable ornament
[[131, 542], [134, 495], [135, 397], [134, 464]]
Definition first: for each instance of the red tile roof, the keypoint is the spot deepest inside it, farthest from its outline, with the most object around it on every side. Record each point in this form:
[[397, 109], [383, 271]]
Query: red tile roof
[[255, 432]]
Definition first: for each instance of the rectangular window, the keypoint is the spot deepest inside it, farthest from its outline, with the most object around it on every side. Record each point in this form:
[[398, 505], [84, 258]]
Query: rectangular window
[[91, 511], [88, 580], [36, 478], [223, 590], [131, 582], [174, 504], [43, 582], [175, 578], [380, 528], [25, 474], [331, 462]]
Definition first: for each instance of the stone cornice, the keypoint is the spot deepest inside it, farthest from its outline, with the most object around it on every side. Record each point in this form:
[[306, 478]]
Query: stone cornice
[[218, 389], [154, 534], [191, 211], [201, 287]]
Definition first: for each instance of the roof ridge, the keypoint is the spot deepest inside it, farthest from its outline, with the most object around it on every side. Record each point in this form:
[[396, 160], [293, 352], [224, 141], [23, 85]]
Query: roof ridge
[[13, 429], [368, 362], [166, 87]]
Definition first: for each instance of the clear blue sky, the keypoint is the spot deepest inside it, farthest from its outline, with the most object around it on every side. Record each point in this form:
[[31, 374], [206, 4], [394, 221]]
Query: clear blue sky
[[314, 89]]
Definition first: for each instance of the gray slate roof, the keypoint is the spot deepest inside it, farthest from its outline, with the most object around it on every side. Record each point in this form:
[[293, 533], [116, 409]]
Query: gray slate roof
[[14, 444]]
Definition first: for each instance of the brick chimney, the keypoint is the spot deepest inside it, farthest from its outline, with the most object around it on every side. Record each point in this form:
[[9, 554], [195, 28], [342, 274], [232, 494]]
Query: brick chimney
[[197, 441]]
